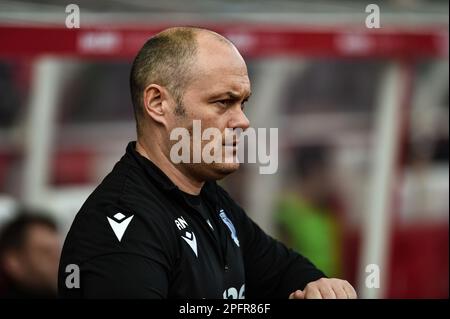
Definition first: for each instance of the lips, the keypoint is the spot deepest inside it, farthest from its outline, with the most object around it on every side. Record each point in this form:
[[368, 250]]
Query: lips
[[234, 144]]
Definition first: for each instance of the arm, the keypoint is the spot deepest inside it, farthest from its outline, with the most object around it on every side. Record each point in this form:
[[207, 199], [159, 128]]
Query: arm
[[123, 276], [138, 266], [272, 270]]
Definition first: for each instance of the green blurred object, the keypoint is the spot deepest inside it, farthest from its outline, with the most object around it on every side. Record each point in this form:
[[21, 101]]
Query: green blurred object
[[311, 231]]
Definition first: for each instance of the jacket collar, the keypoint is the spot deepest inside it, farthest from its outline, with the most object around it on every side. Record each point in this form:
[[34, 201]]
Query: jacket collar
[[152, 171]]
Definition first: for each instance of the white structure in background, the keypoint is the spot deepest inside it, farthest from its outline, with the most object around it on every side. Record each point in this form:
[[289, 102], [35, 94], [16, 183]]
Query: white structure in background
[[49, 77], [377, 222]]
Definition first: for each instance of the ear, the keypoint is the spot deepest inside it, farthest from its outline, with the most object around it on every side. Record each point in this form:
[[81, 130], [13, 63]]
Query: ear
[[156, 103]]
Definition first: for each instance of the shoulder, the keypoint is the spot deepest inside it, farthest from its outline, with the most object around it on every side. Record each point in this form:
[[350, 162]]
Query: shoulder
[[124, 214]]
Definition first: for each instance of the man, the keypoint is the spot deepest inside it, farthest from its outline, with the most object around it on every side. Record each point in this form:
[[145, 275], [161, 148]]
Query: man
[[159, 229], [29, 255]]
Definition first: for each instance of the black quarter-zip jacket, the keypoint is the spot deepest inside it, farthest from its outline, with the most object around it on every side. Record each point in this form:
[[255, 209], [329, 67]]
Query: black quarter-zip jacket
[[139, 236]]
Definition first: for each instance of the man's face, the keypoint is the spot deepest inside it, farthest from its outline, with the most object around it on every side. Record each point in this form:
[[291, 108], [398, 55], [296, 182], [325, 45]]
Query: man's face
[[36, 264], [216, 97]]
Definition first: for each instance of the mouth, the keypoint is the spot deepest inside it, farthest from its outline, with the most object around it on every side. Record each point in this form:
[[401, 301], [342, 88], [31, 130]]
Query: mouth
[[234, 144]]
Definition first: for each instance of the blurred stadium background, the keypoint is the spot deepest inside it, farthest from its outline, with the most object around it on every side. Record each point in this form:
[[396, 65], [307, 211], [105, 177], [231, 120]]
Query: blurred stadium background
[[363, 118]]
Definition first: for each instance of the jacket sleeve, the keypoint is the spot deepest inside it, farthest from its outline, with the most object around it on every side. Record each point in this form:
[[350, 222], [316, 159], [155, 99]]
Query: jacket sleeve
[[137, 266], [124, 276], [271, 269]]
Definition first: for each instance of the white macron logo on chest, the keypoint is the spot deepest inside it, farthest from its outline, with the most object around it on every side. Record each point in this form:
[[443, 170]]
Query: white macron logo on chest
[[120, 224], [189, 237]]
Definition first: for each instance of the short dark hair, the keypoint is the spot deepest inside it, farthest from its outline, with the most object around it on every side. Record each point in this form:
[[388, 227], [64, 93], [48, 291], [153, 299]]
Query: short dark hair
[[13, 233], [165, 59]]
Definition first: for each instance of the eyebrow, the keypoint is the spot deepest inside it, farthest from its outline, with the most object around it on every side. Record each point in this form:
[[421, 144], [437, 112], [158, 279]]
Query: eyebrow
[[231, 95]]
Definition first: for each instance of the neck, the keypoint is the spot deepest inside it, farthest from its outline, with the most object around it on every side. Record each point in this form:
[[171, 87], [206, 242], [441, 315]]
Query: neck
[[183, 181]]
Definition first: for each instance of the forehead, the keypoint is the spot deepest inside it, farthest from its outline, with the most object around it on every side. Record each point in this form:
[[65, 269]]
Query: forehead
[[40, 232], [219, 67]]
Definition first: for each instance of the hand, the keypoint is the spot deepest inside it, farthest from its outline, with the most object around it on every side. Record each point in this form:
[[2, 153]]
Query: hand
[[326, 288]]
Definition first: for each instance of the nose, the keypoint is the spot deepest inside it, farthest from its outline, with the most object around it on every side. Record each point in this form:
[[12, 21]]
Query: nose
[[239, 120]]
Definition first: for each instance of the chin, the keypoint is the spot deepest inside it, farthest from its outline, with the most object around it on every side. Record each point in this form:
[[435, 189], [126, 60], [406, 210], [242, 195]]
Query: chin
[[221, 170]]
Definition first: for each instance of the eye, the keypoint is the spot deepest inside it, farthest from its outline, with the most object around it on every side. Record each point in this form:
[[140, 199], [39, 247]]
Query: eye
[[224, 103]]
